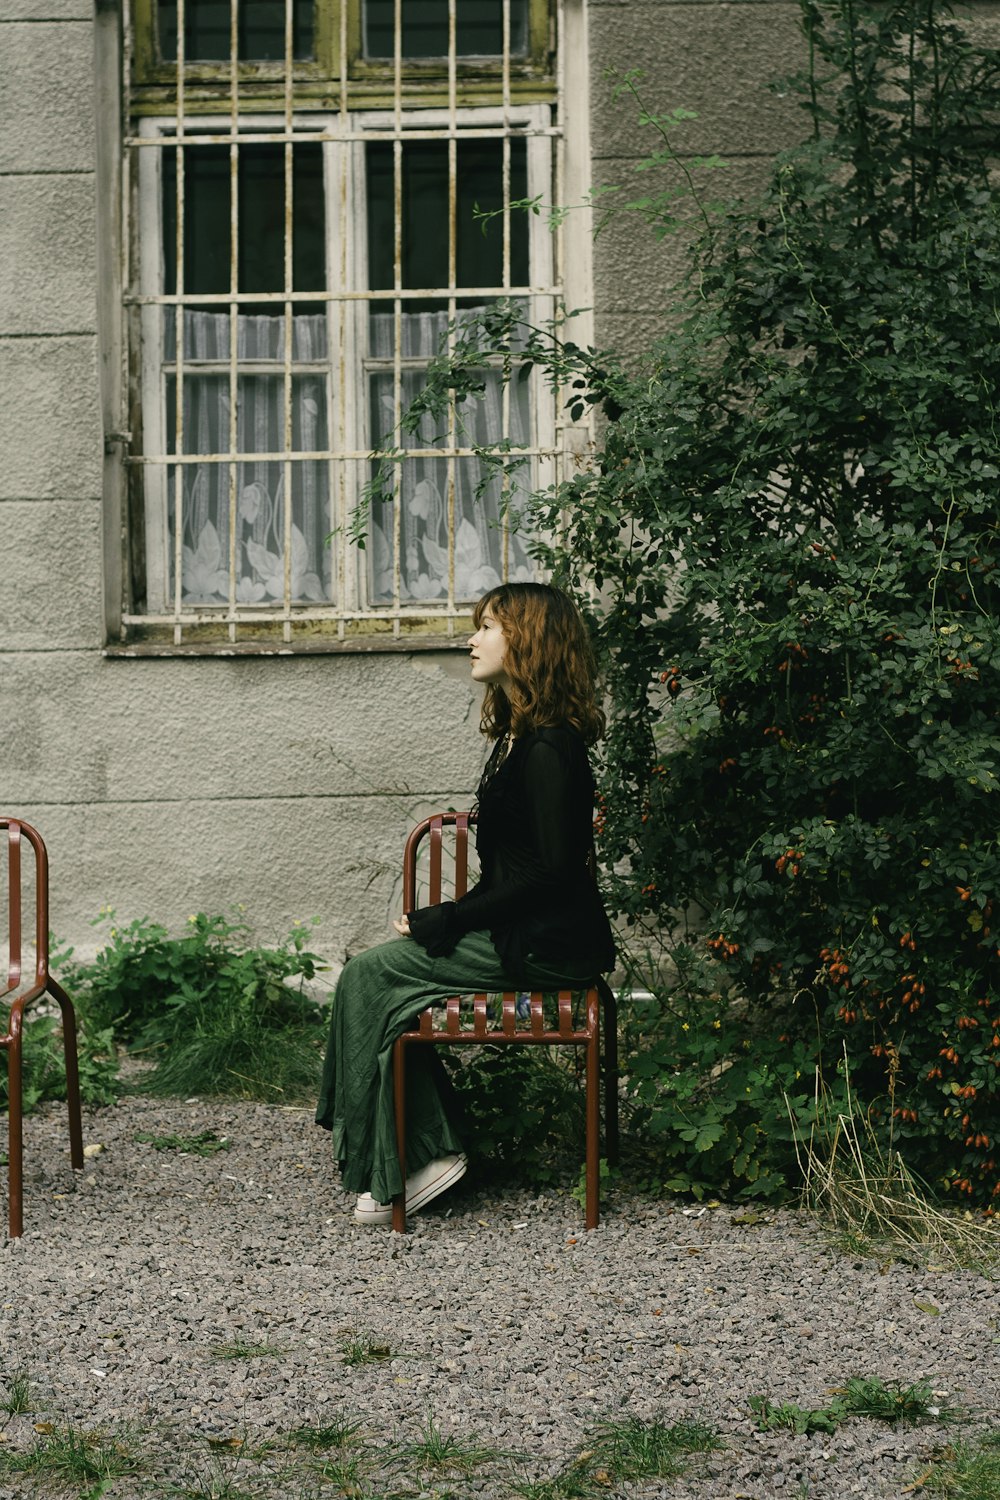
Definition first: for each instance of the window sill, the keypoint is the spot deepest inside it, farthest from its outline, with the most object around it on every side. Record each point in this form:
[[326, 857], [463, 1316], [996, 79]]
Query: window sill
[[356, 646]]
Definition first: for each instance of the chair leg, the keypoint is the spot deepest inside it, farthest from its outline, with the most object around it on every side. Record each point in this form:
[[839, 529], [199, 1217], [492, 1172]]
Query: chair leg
[[15, 1140], [610, 1005], [399, 1103], [593, 1209], [72, 1073]]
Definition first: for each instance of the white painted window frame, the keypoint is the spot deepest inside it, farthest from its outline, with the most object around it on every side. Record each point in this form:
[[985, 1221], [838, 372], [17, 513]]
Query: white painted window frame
[[347, 303]]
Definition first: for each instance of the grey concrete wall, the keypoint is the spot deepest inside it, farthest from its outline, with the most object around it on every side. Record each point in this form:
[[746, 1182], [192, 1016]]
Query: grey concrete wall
[[708, 56]]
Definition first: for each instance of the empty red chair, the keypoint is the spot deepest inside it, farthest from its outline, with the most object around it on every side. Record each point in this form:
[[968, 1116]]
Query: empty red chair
[[43, 985]]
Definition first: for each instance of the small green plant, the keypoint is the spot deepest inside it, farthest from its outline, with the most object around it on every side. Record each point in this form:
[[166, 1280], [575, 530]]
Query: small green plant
[[794, 1418], [245, 1349], [892, 1401], [968, 1470], [634, 1449], [67, 1456], [212, 1011], [16, 1395], [43, 1065], [346, 1475], [213, 1483], [606, 1175], [861, 1396], [340, 1433], [435, 1450], [362, 1349], [572, 1482], [205, 1143]]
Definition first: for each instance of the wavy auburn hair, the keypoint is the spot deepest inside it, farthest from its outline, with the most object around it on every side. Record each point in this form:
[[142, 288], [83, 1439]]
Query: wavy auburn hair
[[548, 661]]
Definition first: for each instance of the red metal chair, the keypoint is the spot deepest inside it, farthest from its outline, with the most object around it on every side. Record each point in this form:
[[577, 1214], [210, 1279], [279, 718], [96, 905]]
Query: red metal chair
[[435, 1027], [43, 984]]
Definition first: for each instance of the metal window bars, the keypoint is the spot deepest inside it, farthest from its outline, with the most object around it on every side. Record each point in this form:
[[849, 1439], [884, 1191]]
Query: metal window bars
[[190, 593]]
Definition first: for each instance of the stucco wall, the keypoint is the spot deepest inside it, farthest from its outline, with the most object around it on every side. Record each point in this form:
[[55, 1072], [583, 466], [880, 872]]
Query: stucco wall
[[287, 784], [716, 59]]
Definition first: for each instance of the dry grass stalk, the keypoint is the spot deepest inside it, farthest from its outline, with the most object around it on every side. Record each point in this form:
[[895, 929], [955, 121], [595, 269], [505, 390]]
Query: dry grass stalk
[[871, 1195]]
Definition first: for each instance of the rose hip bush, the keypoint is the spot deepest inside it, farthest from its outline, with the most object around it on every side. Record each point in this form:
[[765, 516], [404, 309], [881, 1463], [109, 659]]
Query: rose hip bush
[[791, 536], [802, 623]]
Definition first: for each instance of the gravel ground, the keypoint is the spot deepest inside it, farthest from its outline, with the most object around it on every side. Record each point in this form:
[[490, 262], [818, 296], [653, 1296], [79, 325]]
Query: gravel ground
[[133, 1302]]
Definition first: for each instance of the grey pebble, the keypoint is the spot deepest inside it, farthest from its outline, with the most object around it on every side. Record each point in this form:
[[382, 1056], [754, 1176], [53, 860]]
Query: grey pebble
[[521, 1337]]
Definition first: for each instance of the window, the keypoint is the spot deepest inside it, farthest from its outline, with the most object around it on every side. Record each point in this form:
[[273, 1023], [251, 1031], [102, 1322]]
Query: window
[[305, 234]]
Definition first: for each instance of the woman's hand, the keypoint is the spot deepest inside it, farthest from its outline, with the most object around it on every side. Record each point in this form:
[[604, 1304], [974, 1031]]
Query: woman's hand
[[402, 926]]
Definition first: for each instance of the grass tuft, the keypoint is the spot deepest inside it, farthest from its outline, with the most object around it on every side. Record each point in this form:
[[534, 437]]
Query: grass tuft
[[16, 1395], [872, 1200], [434, 1450], [362, 1349], [70, 1457], [891, 1401], [205, 1143], [966, 1470], [243, 1349], [573, 1482], [633, 1449], [340, 1433]]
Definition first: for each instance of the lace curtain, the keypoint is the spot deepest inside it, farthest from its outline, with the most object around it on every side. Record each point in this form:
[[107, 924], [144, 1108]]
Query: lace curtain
[[479, 539], [260, 485]]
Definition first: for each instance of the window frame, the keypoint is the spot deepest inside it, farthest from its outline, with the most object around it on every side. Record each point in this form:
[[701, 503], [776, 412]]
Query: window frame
[[339, 57], [560, 81], [347, 302]]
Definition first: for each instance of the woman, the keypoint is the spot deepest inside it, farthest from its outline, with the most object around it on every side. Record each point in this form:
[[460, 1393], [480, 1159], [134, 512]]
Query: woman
[[534, 920]]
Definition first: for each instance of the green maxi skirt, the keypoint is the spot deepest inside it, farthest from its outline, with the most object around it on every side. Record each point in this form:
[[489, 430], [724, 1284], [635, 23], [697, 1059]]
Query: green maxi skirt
[[378, 996]]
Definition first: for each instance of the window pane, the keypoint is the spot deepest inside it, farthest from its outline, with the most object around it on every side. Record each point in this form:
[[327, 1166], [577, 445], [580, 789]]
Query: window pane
[[482, 555], [261, 191], [260, 29], [260, 502], [478, 28], [479, 246]]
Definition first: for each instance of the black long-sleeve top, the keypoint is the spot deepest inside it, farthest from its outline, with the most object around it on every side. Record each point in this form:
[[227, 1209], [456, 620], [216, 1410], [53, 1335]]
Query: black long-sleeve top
[[534, 830]]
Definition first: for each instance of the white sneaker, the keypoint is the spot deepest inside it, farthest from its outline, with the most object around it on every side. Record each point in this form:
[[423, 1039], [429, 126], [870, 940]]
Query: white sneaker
[[424, 1185]]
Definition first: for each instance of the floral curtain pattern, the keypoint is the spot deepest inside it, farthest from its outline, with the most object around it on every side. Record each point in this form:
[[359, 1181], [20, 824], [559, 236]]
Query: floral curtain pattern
[[260, 486], [423, 545]]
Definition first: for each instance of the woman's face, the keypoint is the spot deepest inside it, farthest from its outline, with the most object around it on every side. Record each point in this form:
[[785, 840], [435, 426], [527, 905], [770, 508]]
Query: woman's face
[[488, 647]]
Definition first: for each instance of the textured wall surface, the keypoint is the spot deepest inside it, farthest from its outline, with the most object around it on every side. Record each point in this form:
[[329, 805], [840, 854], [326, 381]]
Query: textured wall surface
[[284, 783], [715, 59]]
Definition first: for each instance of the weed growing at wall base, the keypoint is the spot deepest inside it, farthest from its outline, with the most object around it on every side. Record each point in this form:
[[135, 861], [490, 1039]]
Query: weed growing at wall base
[[211, 1011]]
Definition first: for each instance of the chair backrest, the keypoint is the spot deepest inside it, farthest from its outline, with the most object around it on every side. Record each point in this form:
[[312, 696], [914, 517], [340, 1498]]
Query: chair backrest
[[431, 833], [16, 831]]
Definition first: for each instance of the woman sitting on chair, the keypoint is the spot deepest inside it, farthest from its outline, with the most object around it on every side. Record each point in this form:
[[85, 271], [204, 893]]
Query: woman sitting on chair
[[534, 920]]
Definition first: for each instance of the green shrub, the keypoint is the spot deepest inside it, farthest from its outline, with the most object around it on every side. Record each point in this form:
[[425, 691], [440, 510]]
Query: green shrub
[[43, 1065], [523, 1110], [213, 1013]]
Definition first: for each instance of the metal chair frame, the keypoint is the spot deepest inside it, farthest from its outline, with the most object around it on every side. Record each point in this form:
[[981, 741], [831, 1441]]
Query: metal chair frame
[[511, 1032], [44, 984]]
